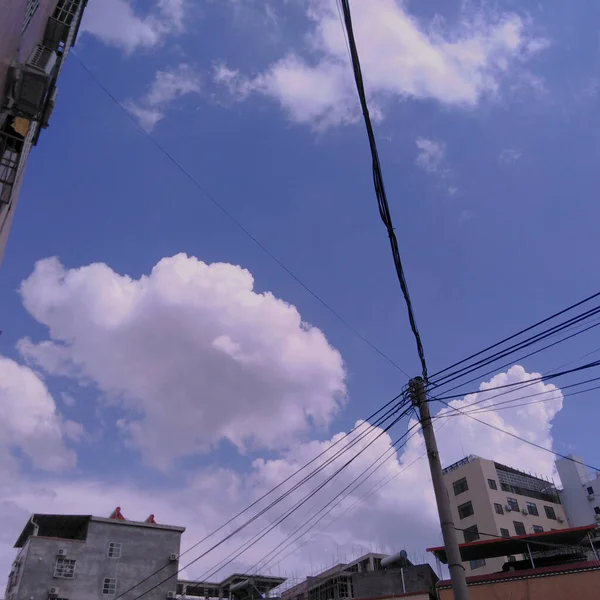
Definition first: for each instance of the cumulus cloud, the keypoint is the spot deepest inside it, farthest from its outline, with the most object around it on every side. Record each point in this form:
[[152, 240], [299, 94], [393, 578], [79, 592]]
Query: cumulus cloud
[[163, 91], [189, 339], [431, 156], [117, 23], [400, 58], [30, 422]]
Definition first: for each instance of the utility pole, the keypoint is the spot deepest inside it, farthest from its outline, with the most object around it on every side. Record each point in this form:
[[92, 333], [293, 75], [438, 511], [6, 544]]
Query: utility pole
[[457, 571]]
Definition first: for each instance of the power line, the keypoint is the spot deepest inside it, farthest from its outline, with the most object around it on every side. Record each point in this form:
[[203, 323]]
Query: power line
[[518, 437], [384, 209], [379, 421], [281, 519], [514, 335], [234, 220]]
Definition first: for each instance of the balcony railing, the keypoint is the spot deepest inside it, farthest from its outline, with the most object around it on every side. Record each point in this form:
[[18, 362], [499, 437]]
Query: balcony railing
[[11, 147]]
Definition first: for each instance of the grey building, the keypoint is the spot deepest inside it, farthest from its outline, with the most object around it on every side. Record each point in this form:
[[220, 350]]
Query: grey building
[[74, 557], [35, 39], [370, 576], [580, 494]]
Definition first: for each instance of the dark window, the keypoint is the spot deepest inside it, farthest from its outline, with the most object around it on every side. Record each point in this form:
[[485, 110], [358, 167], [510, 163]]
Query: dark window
[[512, 502], [64, 568], [471, 534], [550, 512], [460, 486], [504, 532], [537, 529], [519, 528], [476, 564], [114, 549], [498, 508], [597, 510], [30, 10], [511, 558], [109, 586], [492, 484], [465, 510], [590, 491], [532, 509]]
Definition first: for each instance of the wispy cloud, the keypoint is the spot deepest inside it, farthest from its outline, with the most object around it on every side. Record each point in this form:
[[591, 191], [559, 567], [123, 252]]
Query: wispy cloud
[[431, 156], [509, 156], [165, 89]]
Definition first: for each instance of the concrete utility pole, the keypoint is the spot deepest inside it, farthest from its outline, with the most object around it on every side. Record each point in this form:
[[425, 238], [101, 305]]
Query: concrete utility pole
[[457, 571]]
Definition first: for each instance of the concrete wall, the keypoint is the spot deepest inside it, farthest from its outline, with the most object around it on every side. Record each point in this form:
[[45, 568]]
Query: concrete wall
[[575, 480], [418, 578], [477, 473], [145, 550], [571, 586]]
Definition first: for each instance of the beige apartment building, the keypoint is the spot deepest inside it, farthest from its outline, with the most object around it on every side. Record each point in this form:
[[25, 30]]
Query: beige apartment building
[[491, 500]]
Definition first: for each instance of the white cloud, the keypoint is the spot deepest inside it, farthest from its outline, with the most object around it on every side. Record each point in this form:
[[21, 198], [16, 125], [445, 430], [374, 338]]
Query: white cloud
[[431, 156], [188, 339], [509, 156], [164, 90], [400, 58], [399, 515], [117, 23], [30, 422]]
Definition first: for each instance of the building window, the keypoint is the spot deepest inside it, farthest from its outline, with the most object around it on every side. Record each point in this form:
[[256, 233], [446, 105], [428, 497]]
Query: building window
[[498, 508], [550, 512], [532, 509], [32, 6], [590, 491], [465, 510], [538, 529], [512, 502], [460, 486], [114, 549], [64, 568], [519, 528], [471, 534], [504, 532], [109, 586], [597, 510], [492, 484], [476, 564]]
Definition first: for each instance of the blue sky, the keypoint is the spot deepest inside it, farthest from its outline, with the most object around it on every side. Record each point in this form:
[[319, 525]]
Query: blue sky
[[487, 122]]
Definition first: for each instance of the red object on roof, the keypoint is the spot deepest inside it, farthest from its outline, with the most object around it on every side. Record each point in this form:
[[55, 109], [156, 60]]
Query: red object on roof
[[116, 514], [150, 519]]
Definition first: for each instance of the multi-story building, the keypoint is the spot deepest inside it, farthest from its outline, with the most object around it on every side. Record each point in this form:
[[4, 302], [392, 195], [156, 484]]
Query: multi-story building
[[35, 38], [490, 500], [84, 557], [580, 494]]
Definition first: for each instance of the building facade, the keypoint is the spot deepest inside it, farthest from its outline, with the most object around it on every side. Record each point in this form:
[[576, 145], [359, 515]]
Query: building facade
[[71, 557], [491, 500], [580, 493], [35, 39]]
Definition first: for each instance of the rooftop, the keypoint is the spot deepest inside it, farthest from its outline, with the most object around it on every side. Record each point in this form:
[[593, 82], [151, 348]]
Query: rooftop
[[516, 545]]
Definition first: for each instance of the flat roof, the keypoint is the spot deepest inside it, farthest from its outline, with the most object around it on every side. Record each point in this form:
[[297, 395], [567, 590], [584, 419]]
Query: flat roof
[[211, 589], [74, 527], [497, 547]]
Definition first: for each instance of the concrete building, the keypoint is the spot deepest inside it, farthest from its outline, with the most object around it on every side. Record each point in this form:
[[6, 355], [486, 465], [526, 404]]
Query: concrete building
[[580, 493], [35, 38], [491, 500], [370, 576], [238, 586], [73, 557], [561, 565]]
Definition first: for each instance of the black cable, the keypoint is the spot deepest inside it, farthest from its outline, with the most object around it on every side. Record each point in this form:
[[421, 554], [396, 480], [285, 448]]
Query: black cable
[[381, 419], [518, 437], [280, 520], [384, 209], [234, 220], [520, 346], [514, 335], [527, 381]]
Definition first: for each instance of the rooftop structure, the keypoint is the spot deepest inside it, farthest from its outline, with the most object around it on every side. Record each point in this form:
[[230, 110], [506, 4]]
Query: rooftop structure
[[580, 494]]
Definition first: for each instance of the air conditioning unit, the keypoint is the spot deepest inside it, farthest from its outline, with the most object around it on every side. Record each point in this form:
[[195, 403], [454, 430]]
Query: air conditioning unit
[[507, 508], [61, 552], [50, 103], [524, 513], [560, 520], [53, 592], [173, 556], [43, 59], [597, 517], [170, 594], [590, 497]]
